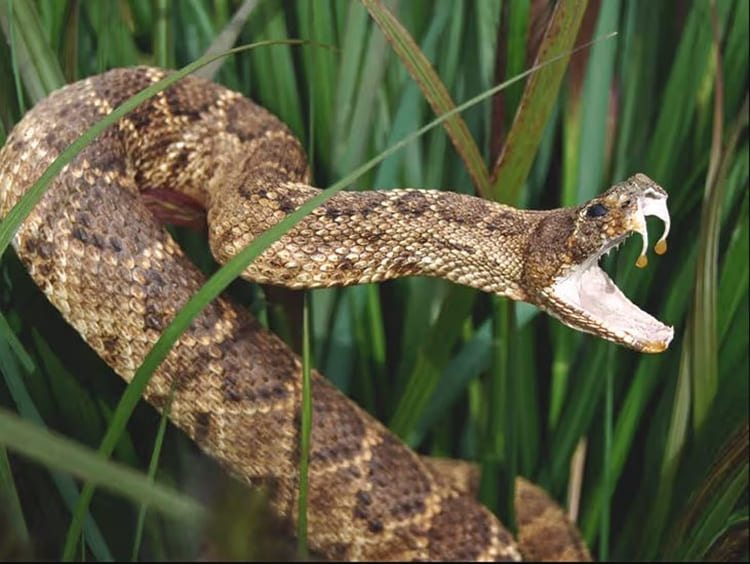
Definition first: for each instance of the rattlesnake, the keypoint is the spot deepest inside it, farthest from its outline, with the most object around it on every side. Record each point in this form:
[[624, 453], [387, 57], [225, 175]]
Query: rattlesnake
[[99, 254]]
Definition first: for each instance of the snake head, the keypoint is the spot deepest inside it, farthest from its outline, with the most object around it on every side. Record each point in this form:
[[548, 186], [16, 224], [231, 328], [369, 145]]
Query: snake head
[[574, 288]]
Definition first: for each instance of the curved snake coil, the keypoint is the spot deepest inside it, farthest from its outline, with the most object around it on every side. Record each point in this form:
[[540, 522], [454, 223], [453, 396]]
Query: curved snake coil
[[102, 258]]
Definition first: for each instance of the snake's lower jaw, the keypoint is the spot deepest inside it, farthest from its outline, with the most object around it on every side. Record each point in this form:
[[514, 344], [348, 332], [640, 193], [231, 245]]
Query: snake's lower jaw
[[588, 300]]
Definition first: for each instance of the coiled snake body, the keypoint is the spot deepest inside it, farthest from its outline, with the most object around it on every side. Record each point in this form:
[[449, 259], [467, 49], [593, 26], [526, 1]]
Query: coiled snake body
[[107, 264]]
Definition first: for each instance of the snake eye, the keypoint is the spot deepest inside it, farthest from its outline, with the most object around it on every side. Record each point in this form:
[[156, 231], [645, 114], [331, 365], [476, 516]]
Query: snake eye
[[596, 210]]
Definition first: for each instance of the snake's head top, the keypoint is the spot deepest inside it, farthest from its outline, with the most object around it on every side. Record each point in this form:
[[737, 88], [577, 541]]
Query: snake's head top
[[573, 287]]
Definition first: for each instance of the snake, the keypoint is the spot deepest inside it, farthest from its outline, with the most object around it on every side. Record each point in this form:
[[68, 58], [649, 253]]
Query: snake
[[96, 246]]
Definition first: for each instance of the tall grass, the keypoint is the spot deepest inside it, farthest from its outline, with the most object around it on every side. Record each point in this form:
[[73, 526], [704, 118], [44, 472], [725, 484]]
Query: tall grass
[[452, 371]]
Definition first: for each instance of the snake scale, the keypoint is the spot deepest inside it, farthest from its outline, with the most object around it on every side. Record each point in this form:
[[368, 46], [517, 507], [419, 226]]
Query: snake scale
[[95, 247]]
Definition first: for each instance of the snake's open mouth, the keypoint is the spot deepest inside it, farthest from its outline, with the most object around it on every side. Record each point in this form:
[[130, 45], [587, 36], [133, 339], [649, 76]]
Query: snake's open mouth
[[596, 304], [593, 303]]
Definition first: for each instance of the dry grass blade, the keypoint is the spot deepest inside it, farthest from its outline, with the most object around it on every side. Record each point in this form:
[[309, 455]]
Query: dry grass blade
[[575, 486], [421, 70], [727, 464], [226, 39], [539, 95]]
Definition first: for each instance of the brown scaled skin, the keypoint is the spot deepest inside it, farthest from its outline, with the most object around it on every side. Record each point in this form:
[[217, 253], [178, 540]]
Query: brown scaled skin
[[548, 250], [371, 236], [118, 278]]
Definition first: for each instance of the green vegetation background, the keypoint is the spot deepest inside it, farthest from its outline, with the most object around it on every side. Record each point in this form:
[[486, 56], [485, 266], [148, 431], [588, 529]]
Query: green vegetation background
[[650, 451]]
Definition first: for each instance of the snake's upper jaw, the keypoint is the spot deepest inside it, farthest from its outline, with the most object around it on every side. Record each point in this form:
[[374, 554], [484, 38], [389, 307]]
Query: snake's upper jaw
[[587, 299]]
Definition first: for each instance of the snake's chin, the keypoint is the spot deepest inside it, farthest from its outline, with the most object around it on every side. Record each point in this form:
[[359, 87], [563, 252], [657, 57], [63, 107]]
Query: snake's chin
[[593, 303]]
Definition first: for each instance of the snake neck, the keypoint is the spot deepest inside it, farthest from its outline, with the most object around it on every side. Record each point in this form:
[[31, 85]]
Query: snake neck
[[371, 236]]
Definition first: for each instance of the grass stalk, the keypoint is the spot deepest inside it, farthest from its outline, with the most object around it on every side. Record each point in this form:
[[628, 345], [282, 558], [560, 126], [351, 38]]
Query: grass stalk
[[152, 467], [305, 431]]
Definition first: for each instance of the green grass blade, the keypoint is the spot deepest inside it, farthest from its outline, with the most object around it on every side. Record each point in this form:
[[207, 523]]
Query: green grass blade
[[83, 414], [730, 545], [735, 272], [714, 500], [472, 359], [500, 435], [280, 90], [337, 357], [675, 443], [14, 380], [351, 142], [449, 62], [518, 24], [305, 431], [9, 499], [699, 374], [408, 109], [202, 17], [375, 330], [487, 17], [645, 378], [527, 413], [162, 51], [36, 62], [593, 156], [434, 90], [365, 316], [735, 56], [575, 420], [70, 31], [56, 451], [317, 23], [11, 33], [353, 44], [430, 361], [682, 90], [7, 334], [607, 479], [152, 467]]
